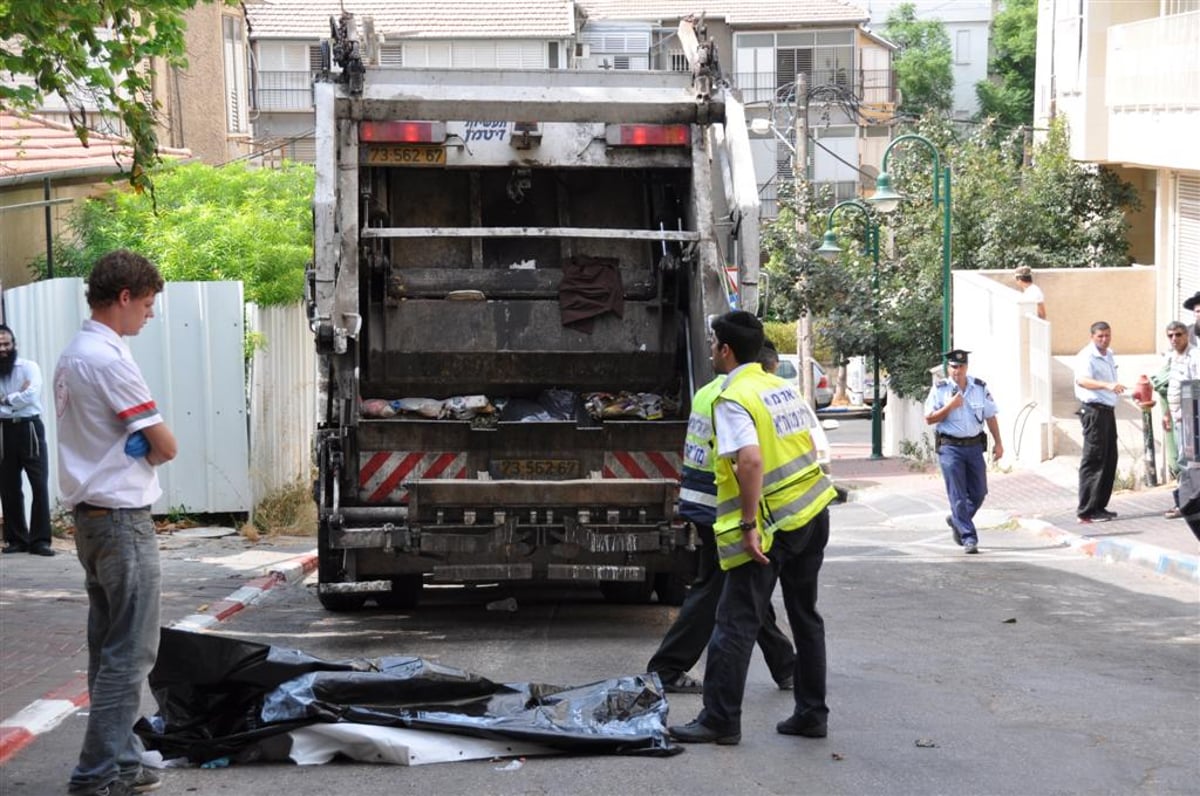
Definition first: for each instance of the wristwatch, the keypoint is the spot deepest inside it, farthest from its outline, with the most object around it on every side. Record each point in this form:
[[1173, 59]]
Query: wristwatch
[[748, 525]]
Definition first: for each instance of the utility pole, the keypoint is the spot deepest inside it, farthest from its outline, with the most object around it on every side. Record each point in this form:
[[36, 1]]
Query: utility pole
[[800, 187]]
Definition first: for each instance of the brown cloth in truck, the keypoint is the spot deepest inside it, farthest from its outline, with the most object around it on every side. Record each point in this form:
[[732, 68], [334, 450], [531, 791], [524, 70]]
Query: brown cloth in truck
[[590, 286]]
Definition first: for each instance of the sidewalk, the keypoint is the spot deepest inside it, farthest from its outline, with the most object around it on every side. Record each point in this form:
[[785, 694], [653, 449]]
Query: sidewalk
[[1043, 500]]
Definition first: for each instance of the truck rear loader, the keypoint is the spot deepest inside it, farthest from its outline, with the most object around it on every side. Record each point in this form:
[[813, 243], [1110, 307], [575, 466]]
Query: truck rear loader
[[512, 279]]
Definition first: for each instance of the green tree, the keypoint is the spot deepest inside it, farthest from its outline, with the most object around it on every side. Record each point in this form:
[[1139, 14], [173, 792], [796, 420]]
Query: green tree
[[1051, 212], [1007, 96], [924, 62], [102, 49], [233, 222]]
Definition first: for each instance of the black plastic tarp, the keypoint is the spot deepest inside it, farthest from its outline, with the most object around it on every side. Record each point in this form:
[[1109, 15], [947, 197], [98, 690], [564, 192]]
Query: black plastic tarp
[[220, 697]]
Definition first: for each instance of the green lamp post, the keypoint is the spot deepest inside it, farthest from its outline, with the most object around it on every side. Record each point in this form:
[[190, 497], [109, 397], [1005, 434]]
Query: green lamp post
[[886, 200], [829, 249]]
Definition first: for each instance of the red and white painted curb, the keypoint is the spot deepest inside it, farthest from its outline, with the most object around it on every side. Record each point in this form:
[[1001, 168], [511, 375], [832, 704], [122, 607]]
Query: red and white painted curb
[[42, 715]]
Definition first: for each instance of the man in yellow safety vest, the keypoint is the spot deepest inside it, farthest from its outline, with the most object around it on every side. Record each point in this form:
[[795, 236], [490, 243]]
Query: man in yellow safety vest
[[772, 524]]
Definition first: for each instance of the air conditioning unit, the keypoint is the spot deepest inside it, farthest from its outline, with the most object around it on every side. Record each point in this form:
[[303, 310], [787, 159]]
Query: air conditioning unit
[[583, 50]]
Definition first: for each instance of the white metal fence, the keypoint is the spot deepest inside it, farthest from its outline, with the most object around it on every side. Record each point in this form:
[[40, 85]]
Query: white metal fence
[[282, 398], [235, 445]]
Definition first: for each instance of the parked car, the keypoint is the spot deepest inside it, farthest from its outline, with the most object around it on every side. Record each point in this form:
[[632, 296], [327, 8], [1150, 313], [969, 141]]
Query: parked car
[[789, 368], [869, 389]]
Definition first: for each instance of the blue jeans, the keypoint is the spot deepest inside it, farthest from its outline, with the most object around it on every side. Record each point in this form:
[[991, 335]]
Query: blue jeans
[[119, 553]]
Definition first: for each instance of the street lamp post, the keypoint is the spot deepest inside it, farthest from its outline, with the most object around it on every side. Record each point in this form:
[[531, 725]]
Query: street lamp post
[[887, 200], [829, 248]]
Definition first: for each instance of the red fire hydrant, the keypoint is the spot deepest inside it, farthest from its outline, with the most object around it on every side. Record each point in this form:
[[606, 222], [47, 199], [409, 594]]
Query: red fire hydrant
[[1143, 395]]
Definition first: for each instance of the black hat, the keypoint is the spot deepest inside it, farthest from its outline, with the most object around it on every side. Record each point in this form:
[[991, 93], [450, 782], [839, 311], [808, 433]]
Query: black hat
[[956, 357], [1191, 303]]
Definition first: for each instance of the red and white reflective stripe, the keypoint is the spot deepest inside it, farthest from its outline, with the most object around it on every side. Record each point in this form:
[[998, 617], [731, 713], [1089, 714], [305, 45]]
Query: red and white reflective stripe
[[381, 474], [642, 464]]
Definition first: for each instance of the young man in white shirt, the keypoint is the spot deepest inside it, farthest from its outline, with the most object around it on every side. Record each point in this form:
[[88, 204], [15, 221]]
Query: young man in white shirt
[[110, 438], [1030, 293]]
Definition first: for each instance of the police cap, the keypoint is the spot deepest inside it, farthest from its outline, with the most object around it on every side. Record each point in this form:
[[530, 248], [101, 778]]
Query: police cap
[[956, 356]]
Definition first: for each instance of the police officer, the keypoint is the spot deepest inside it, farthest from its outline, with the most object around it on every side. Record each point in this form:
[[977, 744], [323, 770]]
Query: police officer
[[959, 407]]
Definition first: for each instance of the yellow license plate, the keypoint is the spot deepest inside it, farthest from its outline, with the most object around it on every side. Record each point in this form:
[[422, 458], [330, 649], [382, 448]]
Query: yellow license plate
[[535, 468], [406, 155]]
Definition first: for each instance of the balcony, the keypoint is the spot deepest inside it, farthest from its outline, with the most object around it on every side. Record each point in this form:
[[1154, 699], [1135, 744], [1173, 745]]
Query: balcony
[[870, 86], [1152, 92], [283, 91]]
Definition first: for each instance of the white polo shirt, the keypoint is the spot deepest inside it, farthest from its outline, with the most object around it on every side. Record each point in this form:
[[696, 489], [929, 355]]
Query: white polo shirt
[[101, 398]]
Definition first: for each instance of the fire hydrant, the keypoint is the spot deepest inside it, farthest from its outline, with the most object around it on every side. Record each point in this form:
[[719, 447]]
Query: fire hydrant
[[1143, 395]]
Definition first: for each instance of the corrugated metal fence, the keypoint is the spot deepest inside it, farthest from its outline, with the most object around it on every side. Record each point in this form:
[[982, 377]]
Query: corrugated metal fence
[[235, 445]]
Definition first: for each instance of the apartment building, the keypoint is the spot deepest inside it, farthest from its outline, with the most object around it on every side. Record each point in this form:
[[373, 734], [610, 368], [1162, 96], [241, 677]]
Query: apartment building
[[286, 36], [1126, 78], [764, 47], [968, 26]]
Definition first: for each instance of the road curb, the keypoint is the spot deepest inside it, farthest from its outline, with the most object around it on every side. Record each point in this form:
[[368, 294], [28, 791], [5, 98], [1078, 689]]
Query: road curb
[[1171, 563], [43, 715]]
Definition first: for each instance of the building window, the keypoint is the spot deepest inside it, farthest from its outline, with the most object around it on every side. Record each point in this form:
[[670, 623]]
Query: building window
[[234, 56], [962, 47], [767, 64]]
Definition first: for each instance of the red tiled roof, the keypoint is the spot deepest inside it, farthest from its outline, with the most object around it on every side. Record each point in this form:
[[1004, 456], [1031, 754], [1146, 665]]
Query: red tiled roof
[[31, 146]]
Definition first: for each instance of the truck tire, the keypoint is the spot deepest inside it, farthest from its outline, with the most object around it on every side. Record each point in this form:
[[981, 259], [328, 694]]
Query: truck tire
[[342, 603], [624, 592], [405, 593], [671, 587]]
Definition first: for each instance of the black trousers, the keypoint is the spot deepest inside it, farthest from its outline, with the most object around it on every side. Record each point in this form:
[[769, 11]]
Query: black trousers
[[796, 558], [1098, 463], [689, 634], [24, 451]]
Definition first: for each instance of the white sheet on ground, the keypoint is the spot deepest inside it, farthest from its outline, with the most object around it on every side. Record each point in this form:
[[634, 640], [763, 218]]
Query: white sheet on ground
[[368, 743]]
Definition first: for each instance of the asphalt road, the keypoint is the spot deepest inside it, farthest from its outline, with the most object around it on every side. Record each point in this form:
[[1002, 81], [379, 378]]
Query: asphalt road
[[1028, 670]]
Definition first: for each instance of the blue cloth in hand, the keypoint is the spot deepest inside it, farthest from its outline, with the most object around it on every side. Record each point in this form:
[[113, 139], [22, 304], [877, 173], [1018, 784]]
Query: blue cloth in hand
[[137, 445]]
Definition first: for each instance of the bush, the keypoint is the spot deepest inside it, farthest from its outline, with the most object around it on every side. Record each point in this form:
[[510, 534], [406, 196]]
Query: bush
[[204, 224]]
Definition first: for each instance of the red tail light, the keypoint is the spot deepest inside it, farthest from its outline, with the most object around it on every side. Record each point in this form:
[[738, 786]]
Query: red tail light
[[823, 383], [648, 134], [402, 132]]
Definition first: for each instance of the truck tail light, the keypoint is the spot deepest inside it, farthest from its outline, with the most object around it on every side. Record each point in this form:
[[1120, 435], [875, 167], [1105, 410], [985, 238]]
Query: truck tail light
[[402, 132], [648, 135], [824, 382]]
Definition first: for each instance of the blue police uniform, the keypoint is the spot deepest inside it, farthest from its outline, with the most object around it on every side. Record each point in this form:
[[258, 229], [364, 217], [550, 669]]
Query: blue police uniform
[[962, 441]]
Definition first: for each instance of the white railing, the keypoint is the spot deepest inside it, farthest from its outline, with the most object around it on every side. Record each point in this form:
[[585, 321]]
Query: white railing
[[1154, 63]]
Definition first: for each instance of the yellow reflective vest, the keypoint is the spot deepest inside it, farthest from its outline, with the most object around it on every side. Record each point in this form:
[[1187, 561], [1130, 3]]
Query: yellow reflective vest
[[697, 489], [794, 487]]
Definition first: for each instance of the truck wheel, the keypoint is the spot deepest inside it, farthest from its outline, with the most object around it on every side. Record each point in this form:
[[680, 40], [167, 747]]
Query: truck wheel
[[405, 593], [342, 603], [671, 587], [627, 592]]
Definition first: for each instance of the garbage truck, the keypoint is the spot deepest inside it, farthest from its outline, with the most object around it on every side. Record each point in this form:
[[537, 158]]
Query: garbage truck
[[512, 279]]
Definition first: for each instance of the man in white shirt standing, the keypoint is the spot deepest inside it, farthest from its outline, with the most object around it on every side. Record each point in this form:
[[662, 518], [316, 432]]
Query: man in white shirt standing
[[22, 449], [1030, 293], [1098, 390], [110, 438]]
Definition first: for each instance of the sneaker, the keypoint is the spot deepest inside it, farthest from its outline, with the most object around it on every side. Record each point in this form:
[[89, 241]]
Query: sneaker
[[1173, 514], [683, 683], [1104, 515], [970, 546], [114, 788], [954, 530], [809, 726], [145, 781], [787, 684], [695, 732]]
